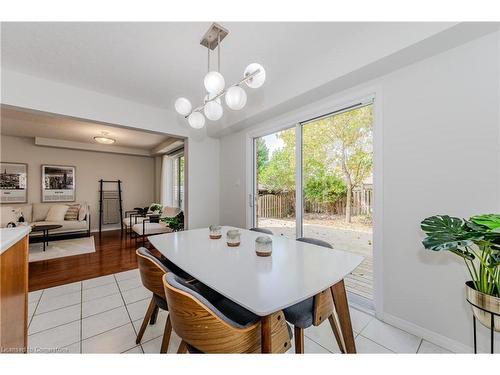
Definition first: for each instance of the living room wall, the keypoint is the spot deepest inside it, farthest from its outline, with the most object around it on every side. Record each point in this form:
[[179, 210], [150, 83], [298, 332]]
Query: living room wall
[[136, 172], [202, 207]]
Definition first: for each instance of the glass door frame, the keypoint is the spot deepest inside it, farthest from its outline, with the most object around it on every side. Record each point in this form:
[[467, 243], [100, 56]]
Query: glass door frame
[[253, 196], [297, 121]]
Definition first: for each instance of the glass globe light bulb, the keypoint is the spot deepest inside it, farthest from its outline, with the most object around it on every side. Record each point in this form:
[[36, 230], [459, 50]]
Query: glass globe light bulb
[[236, 98], [214, 82], [213, 110], [196, 120], [183, 106]]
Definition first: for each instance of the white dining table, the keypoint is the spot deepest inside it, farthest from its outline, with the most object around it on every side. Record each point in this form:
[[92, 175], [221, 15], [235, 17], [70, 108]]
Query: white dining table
[[264, 285]]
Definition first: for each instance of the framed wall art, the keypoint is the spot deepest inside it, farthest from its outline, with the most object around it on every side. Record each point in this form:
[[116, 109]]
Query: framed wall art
[[13, 182], [58, 183]]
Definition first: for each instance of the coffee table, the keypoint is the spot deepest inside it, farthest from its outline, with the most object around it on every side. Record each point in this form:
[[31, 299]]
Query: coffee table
[[45, 231]]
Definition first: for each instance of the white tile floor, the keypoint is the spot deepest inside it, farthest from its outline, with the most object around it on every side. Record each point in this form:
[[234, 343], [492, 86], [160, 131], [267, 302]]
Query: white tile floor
[[103, 315]]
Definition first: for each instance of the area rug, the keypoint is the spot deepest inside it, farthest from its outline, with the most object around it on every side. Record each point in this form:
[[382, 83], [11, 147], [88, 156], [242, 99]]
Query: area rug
[[62, 248]]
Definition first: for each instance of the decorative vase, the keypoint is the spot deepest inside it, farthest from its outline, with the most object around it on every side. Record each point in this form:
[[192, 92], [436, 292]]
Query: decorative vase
[[489, 304]]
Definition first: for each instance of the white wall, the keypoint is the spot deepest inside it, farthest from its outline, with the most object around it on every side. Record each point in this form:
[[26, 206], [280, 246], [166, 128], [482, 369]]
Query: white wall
[[136, 172], [203, 152], [440, 155], [233, 180]]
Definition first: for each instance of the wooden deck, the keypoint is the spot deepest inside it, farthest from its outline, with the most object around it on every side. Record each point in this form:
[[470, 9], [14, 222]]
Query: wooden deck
[[361, 280]]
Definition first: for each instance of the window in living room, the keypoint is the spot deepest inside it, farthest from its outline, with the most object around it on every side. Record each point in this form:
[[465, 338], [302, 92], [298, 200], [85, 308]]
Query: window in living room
[[178, 181]]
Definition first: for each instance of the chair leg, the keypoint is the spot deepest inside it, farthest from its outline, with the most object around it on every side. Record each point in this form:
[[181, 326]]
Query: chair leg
[[182, 348], [299, 340], [154, 316], [166, 336], [336, 332], [149, 312]]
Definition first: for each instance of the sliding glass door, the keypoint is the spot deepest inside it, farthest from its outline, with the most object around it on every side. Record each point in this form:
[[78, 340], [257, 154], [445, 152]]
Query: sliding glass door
[[324, 190], [337, 160], [274, 182]]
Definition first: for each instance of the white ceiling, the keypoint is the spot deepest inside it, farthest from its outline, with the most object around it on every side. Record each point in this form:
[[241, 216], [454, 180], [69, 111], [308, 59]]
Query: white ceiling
[[154, 63], [31, 124]]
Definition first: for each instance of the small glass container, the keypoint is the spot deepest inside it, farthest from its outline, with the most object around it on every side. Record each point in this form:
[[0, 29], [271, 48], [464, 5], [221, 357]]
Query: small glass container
[[233, 237], [215, 232], [263, 246]]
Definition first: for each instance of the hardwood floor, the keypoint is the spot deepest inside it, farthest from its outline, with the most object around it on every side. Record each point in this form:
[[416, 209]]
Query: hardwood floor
[[114, 253]]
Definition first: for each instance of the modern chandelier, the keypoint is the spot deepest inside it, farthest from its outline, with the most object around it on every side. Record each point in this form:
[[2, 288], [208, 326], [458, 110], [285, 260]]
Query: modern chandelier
[[234, 96]]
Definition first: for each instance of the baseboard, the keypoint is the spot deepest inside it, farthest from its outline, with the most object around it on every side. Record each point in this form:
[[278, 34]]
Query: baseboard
[[433, 337], [361, 303]]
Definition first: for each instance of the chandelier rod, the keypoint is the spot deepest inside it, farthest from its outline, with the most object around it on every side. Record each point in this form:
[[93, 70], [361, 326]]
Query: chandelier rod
[[199, 108], [218, 51], [208, 59]]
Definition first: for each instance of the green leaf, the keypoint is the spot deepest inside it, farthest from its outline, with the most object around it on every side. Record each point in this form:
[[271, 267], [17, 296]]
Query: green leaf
[[447, 233], [490, 221], [175, 223], [494, 259]]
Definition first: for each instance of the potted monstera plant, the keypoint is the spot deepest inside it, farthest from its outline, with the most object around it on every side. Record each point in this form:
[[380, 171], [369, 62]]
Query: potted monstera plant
[[477, 242]]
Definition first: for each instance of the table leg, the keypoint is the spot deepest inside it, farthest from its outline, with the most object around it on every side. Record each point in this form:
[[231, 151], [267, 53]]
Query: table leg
[[342, 307], [44, 235], [475, 339], [265, 334]]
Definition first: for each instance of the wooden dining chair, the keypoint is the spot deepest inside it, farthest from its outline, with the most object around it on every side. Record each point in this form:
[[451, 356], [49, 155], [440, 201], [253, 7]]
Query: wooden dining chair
[[152, 270], [262, 230], [220, 325], [315, 310]]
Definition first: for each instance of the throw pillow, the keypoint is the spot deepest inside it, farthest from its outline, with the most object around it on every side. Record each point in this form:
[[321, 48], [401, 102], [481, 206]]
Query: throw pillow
[[57, 212], [82, 213], [72, 213]]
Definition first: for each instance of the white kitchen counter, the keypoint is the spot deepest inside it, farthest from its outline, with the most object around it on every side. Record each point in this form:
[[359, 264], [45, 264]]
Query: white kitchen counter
[[9, 236]]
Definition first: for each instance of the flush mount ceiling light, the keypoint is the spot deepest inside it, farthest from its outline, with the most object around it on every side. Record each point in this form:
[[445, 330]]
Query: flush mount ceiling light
[[235, 97], [103, 139]]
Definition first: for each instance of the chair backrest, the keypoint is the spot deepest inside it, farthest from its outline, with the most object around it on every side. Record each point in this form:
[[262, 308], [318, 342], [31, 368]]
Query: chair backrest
[[323, 302], [315, 241], [262, 230], [204, 327], [170, 211], [152, 271]]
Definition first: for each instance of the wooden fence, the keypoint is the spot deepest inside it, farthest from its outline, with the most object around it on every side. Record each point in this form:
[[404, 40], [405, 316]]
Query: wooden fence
[[283, 205], [276, 205]]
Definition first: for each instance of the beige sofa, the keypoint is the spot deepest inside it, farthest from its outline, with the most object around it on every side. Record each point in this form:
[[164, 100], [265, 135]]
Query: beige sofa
[[36, 213]]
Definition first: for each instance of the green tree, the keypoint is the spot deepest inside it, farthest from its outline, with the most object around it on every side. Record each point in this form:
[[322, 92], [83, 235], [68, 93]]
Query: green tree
[[326, 188], [337, 157], [262, 154], [351, 138], [279, 173]]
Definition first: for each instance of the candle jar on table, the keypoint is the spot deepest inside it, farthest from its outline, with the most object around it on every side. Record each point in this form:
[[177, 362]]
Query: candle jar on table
[[215, 232], [233, 237], [263, 246]]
